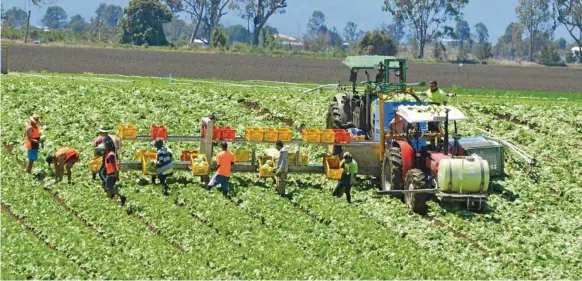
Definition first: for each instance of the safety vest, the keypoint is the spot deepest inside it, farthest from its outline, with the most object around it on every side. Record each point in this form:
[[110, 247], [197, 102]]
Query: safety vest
[[35, 135], [110, 168], [164, 164], [68, 152], [429, 94]]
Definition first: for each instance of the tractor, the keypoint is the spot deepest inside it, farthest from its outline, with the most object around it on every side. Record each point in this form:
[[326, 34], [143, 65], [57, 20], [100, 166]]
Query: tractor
[[419, 164]]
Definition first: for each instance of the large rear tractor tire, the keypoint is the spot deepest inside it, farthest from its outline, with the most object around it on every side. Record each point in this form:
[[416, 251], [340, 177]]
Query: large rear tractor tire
[[416, 179], [395, 168], [334, 119]]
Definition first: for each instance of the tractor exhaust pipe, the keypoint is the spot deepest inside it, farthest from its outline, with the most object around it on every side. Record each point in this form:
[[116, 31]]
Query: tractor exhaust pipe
[[446, 144]]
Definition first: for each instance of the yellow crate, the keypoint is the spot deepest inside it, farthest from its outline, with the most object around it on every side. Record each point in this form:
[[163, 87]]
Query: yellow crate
[[242, 156], [95, 163], [327, 136], [126, 131], [144, 163], [311, 135], [147, 153], [199, 170], [332, 169], [362, 137], [271, 134], [254, 134], [266, 172], [284, 134], [303, 158]]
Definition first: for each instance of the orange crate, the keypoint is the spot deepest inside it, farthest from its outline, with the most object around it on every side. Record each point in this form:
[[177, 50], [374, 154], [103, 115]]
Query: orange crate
[[147, 153], [327, 136], [341, 136], [254, 134], [242, 156], [284, 134], [159, 132], [126, 131], [332, 169], [215, 133], [311, 135], [186, 154], [265, 172], [271, 134], [199, 169], [227, 133], [95, 163]]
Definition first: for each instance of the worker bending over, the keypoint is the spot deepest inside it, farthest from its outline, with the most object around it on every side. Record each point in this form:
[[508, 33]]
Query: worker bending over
[[224, 160], [281, 168], [164, 165], [32, 140], [348, 176], [65, 156]]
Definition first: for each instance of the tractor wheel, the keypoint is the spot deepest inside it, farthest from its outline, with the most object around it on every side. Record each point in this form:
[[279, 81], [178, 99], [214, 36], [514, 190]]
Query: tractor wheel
[[416, 179], [395, 168], [334, 119]]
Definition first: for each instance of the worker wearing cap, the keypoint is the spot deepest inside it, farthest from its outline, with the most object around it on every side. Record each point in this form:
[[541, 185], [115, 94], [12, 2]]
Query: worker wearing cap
[[32, 140], [281, 167], [397, 125], [345, 182], [65, 156], [100, 149], [224, 160], [164, 165]]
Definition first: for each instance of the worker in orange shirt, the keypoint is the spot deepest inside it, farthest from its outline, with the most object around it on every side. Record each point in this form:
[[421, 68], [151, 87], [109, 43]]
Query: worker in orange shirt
[[65, 156], [32, 140], [224, 160]]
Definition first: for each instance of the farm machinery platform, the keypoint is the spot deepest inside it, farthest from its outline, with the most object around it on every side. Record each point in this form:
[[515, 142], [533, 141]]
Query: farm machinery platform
[[419, 164]]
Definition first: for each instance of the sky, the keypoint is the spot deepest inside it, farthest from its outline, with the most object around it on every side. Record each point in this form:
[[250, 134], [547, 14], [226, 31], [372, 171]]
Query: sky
[[368, 14]]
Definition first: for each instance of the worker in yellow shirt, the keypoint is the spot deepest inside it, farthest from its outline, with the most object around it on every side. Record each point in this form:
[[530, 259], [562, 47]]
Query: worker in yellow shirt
[[434, 94]]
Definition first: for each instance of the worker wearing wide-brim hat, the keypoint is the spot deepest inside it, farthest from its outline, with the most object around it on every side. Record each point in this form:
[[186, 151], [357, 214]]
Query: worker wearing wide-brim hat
[[32, 140]]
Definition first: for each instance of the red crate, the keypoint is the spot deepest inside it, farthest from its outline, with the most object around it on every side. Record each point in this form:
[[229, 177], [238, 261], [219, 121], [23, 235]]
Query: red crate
[[215, 133], [159, 132], [227, 133], [187, 154], [342, 136]]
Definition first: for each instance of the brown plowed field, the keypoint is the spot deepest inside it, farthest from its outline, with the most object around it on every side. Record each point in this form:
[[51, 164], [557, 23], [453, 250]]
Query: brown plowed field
[[236, 67]]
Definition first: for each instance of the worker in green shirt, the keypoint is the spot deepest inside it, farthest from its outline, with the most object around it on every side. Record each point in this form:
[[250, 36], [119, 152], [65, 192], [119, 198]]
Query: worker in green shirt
[[350, 169], [434, 94]]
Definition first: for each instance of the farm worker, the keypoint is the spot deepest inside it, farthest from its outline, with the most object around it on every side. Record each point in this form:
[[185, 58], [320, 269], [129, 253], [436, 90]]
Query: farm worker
[[397, 125], [164, 165], [224, 160], [345, 182], [434, 93], [111, 171], [32, 140], [281, 167], [100, 150], [353, 170], [64, 156]]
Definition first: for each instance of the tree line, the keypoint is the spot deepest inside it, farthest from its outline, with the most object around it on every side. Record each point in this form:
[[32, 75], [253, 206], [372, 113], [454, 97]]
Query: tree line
[[158, 22]]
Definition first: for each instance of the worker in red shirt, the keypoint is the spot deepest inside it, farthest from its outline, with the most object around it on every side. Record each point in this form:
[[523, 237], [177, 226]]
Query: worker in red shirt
[[224, 160], [65, 156]]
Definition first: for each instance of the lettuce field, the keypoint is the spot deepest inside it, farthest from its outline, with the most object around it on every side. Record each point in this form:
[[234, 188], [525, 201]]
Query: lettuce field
[[530, 229]]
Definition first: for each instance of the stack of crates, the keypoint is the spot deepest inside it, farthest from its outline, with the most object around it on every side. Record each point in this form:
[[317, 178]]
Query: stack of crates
[[332, 167], [202, 169], [242, 155], [489, 150]]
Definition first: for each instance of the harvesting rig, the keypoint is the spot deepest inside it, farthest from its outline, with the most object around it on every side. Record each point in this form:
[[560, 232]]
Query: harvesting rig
[[418, 164]]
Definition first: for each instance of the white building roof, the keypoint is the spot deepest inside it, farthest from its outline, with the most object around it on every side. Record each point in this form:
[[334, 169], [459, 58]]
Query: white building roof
[[285, 37], [576, 49]]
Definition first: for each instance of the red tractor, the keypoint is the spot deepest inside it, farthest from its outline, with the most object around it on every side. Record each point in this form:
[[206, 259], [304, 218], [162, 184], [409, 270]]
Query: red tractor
[[420, 164]]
